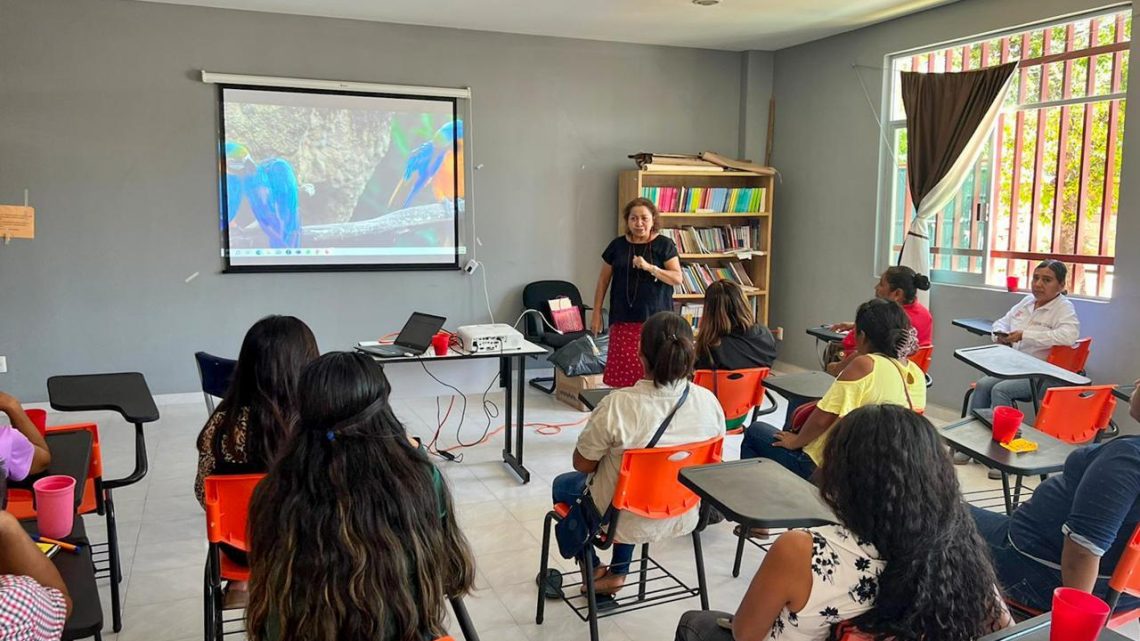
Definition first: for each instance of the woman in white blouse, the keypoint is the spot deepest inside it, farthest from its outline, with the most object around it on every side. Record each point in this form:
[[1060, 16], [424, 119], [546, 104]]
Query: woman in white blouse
[[1041, 321]]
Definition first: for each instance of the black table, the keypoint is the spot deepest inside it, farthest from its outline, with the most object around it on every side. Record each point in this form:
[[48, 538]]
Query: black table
[[824, 333], [78, 574], [979, 326], [1002, 361], [804, 386], [513, 421], [591, 397], [1124, 392], [974, 438], [1037, 629], [70, 456], [128, 394], [757, 493]]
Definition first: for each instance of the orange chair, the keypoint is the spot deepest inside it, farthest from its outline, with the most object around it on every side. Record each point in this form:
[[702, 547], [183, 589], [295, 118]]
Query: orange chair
[[20, 501], [1076, 414], [227, 520], [738, 391], [1125, 579], [647, 486], [1072, 358], [922, 357]]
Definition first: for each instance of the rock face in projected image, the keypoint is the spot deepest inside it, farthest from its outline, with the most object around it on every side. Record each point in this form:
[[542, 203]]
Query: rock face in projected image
[[334, 152], [405, 227]]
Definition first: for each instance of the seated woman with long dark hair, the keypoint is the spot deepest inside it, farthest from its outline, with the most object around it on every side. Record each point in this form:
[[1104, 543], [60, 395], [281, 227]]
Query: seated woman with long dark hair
[[880, 373], [352, 533], [905, 561], [730, 337]]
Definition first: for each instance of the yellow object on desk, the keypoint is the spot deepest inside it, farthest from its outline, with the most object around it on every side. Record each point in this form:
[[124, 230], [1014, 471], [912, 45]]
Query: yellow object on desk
[[49, 549], [1020, 445]]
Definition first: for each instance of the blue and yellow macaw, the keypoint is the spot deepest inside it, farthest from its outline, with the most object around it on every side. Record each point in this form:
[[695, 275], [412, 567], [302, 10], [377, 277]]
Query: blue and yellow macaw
[[434, 162], [271, 189]]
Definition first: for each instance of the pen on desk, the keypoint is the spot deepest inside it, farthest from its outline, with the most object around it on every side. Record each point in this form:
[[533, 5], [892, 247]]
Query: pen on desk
[[70, 547]]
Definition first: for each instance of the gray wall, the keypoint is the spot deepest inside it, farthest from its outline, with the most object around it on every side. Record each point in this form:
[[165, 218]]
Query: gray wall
[[103, 119], [827, 149]]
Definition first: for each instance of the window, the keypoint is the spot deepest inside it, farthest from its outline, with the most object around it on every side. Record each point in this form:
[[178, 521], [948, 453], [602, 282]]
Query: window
[[1048, 182]]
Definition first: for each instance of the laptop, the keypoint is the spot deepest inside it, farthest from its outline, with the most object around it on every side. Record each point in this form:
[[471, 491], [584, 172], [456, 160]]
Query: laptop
[[413, 340]]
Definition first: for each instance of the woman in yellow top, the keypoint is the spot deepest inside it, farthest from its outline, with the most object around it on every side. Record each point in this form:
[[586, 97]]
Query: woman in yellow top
[[879, 374]]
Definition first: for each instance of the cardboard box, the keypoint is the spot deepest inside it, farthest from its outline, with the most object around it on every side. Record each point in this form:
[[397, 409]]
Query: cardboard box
[[566, 388]]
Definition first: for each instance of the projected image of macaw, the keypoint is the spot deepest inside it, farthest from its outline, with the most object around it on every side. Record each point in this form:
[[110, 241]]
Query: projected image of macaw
[[271, 189], [433, 163]]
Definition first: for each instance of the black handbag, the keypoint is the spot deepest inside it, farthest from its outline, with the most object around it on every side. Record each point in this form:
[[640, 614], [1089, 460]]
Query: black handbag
[[583, 522]]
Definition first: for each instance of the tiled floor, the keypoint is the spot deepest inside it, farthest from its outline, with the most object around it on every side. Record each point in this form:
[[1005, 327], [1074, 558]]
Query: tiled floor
[[162, 529]]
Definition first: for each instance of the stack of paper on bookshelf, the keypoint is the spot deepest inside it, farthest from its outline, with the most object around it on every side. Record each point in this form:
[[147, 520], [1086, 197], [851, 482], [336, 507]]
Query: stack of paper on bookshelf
[[744, 239], [691, 312], [696, 277], [728, 200]]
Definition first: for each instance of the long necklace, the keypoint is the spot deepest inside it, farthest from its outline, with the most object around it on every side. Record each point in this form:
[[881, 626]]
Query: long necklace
[[629, 298]]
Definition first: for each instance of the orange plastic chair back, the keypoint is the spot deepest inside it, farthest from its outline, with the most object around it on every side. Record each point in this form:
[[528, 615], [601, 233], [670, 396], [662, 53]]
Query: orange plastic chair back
[[1072, 358], [1125, 579], [647, 482], [445, 639], [1075, 414], [737, 390], [20, 501], [922, 357], [227, 508]]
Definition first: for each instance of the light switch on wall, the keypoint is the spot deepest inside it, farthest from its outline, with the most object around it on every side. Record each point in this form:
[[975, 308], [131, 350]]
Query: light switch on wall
[[3, 364]]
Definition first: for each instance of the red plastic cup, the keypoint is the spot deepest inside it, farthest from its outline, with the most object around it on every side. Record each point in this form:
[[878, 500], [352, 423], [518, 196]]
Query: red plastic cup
[[39, 419], [440, 342], [1007, 420], [1077, 616], [55, 505], [1012, 283]]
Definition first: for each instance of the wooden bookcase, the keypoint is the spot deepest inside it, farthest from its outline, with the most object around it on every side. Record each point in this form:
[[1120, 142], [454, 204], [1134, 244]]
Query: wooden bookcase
[[631, 182]]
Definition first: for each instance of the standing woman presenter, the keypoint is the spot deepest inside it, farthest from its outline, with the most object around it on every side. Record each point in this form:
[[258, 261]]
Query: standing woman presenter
[[640, 269]]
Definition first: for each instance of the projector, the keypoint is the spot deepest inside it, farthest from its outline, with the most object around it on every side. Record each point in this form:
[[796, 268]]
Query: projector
[[497, 337]]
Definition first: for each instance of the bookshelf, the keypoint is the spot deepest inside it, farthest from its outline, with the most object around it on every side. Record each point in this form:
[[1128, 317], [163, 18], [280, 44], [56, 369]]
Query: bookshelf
[[741, 226]]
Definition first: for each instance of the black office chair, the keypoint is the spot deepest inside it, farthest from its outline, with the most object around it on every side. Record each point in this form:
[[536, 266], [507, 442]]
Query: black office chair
[[215, 373], [536, 296]]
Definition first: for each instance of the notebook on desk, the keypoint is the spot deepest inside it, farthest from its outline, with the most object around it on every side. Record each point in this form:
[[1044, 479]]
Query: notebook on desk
[[413, 340]]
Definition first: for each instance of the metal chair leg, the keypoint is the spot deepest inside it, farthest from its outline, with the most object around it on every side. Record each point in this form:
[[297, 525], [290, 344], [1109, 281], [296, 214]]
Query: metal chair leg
[[113, 561], [698, 553], [543, 566], [739, 551], [644, 572], [463, 619], [585, 562], [207, 603], [966, 402]]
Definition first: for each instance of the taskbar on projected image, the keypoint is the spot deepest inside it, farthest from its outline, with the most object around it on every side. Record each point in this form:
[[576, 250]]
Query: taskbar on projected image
[[334, 256]]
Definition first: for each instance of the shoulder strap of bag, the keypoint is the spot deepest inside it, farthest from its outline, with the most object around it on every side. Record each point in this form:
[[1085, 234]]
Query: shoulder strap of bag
[[906, 387], [669, 419]]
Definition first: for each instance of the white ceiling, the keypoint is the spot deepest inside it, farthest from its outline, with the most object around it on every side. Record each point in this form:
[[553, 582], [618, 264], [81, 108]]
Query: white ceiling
[[735, 25]]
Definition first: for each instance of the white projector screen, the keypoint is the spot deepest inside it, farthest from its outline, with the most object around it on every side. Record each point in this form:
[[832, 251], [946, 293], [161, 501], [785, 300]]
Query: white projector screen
[[317, 180]]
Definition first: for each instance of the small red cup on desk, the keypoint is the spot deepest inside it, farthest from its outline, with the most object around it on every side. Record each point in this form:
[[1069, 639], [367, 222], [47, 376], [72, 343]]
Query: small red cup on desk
[[440, 342], [39, 419], [1077, 616], [1007, 420], [55, 505], [1012, 283]]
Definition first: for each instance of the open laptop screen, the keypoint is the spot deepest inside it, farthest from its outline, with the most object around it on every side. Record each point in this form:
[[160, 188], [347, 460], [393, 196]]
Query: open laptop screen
[[418, 331]]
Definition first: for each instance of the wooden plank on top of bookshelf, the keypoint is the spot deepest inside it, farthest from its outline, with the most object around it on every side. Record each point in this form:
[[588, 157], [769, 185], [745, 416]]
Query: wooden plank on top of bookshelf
[[724, 256], [710, 214], [747, 292], [705, 172]]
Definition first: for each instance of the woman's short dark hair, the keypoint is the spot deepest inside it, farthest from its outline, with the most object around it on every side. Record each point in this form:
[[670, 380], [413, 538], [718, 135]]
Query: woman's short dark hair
[[641, 202], [886, 326], [1059, 269], [667, 345], [905, 278], [938, 582]]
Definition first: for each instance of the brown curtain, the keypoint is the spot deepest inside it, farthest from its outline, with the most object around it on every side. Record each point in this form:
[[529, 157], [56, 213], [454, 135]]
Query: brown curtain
[[943, 110]]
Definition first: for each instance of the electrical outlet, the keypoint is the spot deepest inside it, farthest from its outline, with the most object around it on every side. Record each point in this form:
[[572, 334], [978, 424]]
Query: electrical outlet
[[778, 333], [3, 364]]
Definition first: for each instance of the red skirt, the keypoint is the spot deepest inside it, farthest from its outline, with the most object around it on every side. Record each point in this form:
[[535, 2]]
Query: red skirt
[[623, 363]]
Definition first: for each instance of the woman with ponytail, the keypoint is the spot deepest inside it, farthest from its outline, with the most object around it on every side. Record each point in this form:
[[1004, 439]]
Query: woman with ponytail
[[900, 284], [628, 419], [352, 533], [879, 373], [905, 561]]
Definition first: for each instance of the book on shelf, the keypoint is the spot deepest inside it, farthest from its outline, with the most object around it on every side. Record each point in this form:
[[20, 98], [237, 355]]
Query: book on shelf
[[696, 277], [696, 200], [722, 239], [692, 312]]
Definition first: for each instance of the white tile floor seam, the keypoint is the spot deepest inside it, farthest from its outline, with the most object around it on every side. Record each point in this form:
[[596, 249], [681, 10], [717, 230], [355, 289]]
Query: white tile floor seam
[[162, 528]]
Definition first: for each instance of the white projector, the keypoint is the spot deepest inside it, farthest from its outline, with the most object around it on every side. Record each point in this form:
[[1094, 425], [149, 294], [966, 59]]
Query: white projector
[[497, 337]]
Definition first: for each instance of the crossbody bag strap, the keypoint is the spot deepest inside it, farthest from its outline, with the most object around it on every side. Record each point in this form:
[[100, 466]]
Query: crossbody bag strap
[[906, 387], [669, 419]]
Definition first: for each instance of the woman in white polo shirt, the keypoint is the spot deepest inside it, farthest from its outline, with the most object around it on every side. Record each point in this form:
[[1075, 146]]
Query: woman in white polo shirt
[[1034, 326]]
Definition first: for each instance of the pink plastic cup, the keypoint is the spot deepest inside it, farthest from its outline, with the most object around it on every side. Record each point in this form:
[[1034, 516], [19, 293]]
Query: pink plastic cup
[[1012, 283], [55, 505], [39, 419], [1077, 616], [1007, 420], [440, 342]]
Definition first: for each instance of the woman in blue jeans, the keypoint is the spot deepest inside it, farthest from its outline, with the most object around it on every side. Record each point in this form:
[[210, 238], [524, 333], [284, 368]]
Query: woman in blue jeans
[[628, 419]]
